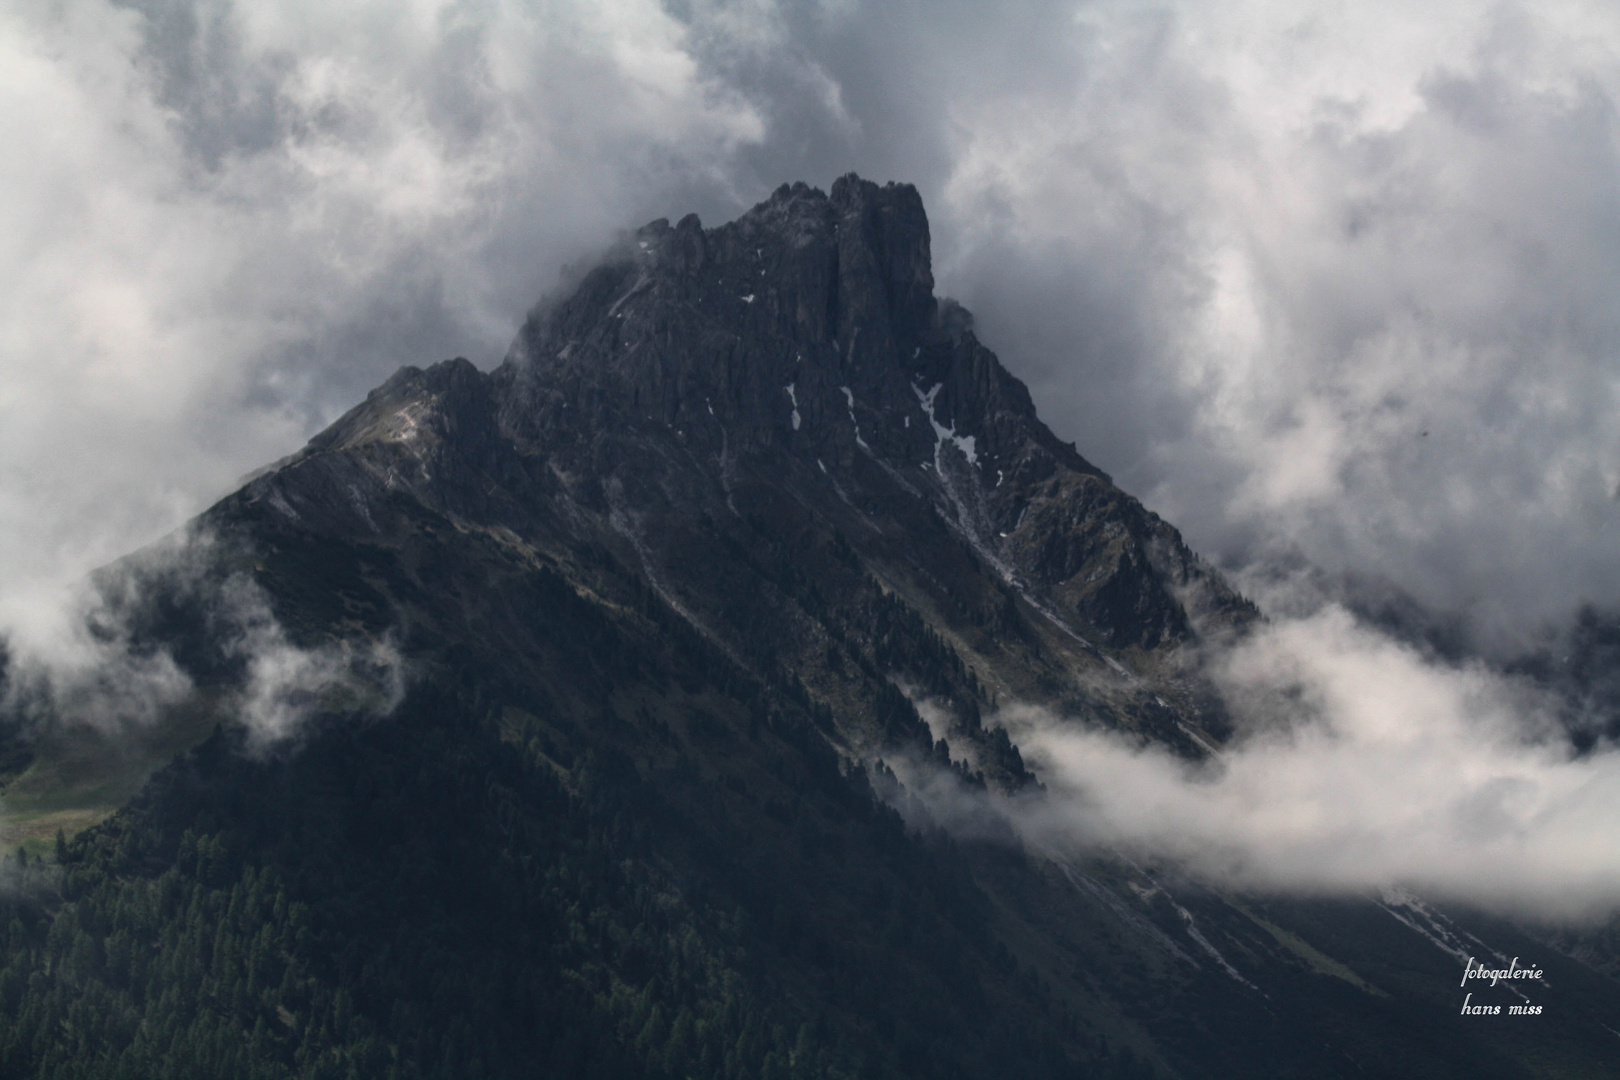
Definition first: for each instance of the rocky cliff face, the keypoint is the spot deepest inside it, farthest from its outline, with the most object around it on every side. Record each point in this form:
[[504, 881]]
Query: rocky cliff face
[[794, 370], [808, 330]]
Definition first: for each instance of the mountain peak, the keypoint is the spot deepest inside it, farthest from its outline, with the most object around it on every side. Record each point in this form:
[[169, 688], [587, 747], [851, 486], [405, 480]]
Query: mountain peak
[[809, 323], [842, 280], [793, 368]]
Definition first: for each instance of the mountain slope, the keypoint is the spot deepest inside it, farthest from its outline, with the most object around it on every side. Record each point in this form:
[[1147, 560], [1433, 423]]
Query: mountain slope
[[565, 712]]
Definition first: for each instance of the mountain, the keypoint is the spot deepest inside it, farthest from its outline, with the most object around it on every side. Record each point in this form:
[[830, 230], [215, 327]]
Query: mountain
[[630, 710], [779, 386]]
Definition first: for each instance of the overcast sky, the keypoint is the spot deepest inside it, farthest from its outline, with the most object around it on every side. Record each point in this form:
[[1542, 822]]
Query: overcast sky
[[1332, 280]]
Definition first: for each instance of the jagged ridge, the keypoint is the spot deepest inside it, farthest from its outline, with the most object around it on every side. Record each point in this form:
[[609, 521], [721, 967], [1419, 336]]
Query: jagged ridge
[[694, 376]]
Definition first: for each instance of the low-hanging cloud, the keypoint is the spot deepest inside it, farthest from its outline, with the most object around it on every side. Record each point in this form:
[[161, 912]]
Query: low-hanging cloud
[[1359, 765], [285, 684], [102, 666]]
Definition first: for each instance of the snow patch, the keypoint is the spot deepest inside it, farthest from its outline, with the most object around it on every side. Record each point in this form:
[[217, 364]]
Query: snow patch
[[964, 443], [849, 398], [1204, 943], [1203, 743], [794, 398], [1439, 930], [1085, 885]]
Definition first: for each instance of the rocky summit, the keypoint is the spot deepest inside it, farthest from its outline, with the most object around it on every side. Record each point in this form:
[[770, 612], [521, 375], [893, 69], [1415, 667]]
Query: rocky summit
[[633, 709], [792, 371]]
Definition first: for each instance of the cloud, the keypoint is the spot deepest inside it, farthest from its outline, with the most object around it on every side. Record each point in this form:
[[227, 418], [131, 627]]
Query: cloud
[[226, 222], [1329, 286], [1247, 254], [168, 629], [286, 685], [1325, 281], [1359, 765], [92, 674]]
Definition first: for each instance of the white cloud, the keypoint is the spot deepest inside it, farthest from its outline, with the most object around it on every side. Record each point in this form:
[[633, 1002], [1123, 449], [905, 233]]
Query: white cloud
[[94, 660], [1359, 766], [286, 685], [224, 223], [1295, 239]]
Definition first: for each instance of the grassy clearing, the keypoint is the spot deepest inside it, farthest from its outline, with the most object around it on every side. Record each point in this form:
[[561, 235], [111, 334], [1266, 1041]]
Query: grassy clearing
[[36, 832], [80, 775]]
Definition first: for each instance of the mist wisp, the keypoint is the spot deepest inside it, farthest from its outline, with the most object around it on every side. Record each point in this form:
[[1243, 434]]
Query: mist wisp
[[286, 685], [168, 629]]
